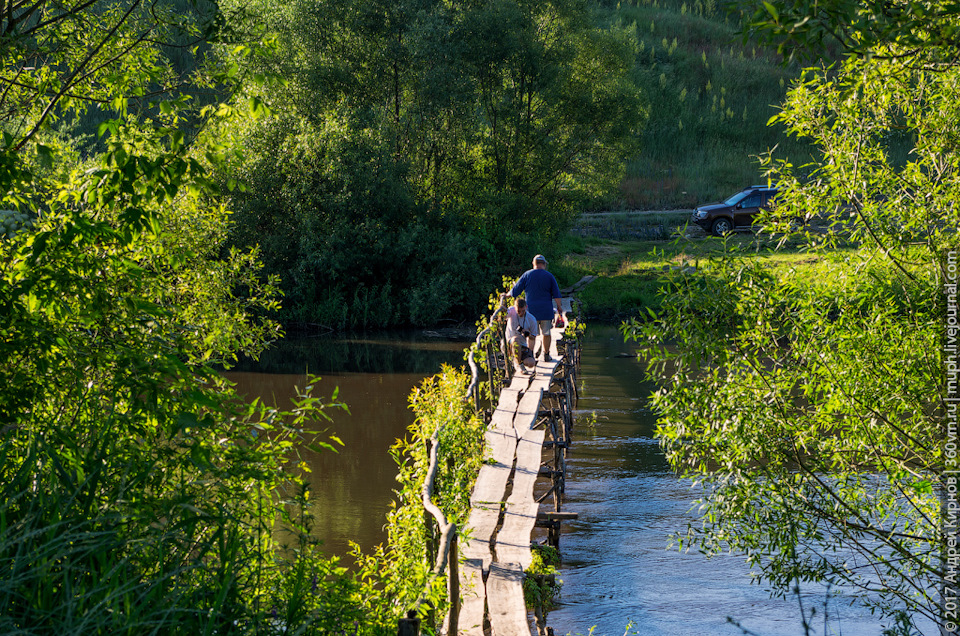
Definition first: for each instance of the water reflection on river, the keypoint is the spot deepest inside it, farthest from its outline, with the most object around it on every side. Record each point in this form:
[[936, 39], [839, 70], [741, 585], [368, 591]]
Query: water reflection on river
[[352, 489]]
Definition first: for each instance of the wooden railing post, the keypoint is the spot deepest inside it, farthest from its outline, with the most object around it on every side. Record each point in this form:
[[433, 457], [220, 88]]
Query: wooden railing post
[[429, 532]]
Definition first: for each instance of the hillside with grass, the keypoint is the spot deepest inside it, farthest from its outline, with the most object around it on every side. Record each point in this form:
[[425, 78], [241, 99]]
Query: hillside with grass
[[711, 94]]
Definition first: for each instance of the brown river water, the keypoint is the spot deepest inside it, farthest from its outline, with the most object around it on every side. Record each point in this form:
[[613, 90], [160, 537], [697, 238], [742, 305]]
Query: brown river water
[[617, 567]]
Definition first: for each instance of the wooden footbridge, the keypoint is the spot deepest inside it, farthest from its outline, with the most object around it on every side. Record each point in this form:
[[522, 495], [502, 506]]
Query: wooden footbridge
[[526, 440]]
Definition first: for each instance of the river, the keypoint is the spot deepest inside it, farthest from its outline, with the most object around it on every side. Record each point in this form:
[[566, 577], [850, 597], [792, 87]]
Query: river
[[353, 488], [617, 566]]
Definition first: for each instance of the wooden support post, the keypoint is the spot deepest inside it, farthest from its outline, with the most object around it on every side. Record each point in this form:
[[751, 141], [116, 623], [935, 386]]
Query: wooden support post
[[491, 362], [557, 498], [562, 470], [409, 626], [507, 351], [454, 587], [573, 382], [428, 523], [431, 548], [556, 477], [538, 608], [568, 411]]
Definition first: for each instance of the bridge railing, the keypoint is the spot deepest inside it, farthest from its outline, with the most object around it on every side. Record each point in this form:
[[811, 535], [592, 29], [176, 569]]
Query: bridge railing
[[498, 368], [447, 554]]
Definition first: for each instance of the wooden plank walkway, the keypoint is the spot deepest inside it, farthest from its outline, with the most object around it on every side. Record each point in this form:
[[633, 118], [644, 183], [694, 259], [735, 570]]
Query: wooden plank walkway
[[503, 508]]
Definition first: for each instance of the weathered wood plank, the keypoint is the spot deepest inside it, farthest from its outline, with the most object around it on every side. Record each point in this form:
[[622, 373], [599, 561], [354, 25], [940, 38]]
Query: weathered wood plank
[[558, 515], [492, 482], [474, 595], [513, 539], [529, 405], [482, 524], [507, 407], [521, 510], [529, 457], [500, 437], [548, 368], [508, 615], [513, 448]]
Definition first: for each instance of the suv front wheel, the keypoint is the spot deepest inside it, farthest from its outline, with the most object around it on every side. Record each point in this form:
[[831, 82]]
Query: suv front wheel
[[722, 226]]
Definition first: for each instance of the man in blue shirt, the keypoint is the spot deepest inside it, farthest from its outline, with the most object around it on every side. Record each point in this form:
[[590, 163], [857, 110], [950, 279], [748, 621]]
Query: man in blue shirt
[[541, 288]]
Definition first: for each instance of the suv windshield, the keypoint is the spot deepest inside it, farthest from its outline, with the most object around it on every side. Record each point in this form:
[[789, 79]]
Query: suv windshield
[[735, 199]]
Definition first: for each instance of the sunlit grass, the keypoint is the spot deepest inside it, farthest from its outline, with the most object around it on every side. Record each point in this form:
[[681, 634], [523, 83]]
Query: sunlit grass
[[712, 94], [631, 274]]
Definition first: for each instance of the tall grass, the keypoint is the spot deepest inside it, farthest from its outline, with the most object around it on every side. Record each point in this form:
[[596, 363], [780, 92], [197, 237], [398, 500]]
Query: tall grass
[[711, 96]]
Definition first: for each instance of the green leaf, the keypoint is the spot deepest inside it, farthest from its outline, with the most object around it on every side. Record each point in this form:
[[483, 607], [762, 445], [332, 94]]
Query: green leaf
[[187, 420], [45, 156], [39, 246], [772, 10], [319, 447]]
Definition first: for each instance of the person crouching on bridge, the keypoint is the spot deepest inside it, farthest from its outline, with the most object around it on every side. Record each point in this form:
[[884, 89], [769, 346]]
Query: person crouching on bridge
[[541, 288], [521, 327]]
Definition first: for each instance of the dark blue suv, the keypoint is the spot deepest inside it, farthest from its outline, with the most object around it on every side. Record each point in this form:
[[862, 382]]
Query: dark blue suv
[[735, 213]]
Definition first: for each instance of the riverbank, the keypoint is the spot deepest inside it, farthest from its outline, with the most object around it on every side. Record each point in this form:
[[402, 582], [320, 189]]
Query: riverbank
[[630, 273]]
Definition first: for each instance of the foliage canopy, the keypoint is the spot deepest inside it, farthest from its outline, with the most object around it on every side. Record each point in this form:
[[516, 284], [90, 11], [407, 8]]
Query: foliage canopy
[[415, 148], [138, 492]]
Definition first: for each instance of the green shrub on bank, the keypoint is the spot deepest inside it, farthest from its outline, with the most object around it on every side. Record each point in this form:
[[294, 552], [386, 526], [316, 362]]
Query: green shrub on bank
[[138, 494], [542, 593]]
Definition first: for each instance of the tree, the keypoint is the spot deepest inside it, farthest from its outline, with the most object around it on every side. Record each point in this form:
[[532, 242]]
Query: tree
[[137, 491], [544, 109], [415, 128], [813, 406], [800, 28]]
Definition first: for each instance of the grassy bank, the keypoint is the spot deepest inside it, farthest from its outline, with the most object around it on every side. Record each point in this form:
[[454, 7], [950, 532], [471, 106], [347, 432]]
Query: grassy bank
[[631, 273]]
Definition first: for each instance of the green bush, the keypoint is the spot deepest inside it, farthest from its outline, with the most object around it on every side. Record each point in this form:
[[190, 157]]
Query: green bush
[[137, 492], [401, 570]]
